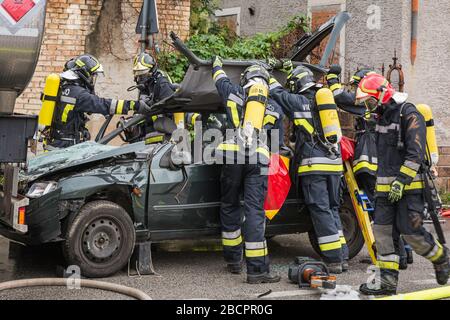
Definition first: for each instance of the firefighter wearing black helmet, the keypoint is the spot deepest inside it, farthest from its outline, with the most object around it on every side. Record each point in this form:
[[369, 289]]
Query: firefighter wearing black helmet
[[365, 160], [319, 165], [247, 113], [77, 99]]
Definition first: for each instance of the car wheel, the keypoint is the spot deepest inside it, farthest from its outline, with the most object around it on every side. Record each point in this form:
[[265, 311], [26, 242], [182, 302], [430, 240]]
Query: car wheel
[[352, 232], [100, 239]]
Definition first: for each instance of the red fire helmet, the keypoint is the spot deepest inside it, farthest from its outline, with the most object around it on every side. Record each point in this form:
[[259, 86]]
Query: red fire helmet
[[376, 86]]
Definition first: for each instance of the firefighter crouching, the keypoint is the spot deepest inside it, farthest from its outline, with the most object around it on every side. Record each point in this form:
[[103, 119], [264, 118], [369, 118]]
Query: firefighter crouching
[[400, 203], [69, 97], [317, 157], [245, 171]]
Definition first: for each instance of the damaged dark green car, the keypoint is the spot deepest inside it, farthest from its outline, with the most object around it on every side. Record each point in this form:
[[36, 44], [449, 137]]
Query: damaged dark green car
[[100, 200]]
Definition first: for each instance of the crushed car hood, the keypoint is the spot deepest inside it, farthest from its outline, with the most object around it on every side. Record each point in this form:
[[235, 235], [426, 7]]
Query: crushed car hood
[[79, 156]]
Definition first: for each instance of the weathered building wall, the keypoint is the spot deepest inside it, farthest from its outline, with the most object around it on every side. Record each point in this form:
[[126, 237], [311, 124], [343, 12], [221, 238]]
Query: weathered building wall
[[369, 45], [268, 15], [103, 28]]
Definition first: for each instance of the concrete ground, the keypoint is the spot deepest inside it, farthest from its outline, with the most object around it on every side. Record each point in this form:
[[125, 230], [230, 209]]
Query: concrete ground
[[189, 272]]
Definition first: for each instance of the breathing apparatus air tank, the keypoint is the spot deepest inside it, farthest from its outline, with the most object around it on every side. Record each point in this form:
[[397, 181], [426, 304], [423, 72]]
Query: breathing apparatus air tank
[[178, 118], [49, 100], [255, 108], [432, 147], [328, 116]]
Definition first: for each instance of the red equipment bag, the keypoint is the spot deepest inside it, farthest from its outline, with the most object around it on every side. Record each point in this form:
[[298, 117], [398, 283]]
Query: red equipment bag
[[347, 149], [278, 186]]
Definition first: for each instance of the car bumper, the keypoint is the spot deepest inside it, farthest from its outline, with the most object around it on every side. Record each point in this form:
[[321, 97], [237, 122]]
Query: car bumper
[[42, 222]]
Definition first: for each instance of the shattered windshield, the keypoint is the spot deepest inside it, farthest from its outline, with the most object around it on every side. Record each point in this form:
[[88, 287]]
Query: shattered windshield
[[63, 157]]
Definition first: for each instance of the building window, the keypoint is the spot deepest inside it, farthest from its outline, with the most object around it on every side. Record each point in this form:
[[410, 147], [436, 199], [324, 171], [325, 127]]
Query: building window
[[230, 18]]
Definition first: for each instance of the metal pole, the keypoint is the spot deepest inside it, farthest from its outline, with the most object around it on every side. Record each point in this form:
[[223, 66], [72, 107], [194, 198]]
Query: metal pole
[[144, 26], [414, 29]]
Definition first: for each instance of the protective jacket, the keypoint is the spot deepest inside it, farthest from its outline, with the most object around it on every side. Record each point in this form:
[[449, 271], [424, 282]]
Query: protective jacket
[[157, 88], [234, 98], [76, 100], [315, 157], [401, 143]]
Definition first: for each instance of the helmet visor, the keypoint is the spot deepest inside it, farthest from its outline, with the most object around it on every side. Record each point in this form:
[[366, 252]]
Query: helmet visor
[[371, 104]]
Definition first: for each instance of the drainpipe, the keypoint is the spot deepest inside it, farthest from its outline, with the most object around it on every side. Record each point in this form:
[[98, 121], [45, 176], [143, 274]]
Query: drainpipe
[[414, 29]]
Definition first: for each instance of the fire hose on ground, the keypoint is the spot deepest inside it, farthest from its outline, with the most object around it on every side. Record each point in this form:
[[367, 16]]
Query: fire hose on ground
[[84, 283]]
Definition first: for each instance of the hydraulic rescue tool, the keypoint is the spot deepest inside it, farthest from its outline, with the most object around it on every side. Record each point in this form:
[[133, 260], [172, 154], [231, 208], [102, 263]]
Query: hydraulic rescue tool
[[360, 201], [310, 273]]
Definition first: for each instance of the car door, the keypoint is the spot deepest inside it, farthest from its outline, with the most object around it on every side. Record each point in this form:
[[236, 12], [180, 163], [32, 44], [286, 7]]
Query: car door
[[185, 202]]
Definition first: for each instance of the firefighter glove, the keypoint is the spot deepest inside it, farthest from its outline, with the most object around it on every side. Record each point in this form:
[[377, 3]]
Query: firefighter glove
[[217, 62], [287, 66], [273, 63], [396, 192], [144, 106]]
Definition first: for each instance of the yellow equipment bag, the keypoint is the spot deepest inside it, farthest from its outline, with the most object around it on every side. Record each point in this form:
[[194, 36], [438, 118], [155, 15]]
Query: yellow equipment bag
[[49, 99], [432, 147], [256, 106], [329, 119]]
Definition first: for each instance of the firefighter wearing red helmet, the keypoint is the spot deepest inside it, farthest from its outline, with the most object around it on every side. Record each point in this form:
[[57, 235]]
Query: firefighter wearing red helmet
[[401, 144], [365, 160]]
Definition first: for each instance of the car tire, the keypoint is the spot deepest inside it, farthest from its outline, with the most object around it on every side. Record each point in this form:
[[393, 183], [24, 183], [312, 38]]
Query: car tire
[[100, 239], [352, 232]]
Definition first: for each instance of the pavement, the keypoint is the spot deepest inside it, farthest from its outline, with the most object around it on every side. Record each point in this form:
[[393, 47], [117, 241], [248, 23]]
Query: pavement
[[195, 270]]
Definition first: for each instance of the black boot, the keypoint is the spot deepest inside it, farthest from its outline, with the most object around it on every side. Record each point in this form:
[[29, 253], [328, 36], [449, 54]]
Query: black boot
[[235, 268], [442, 268], [266, 277], [387, 284], [403, 265], [345, 266], [409, 256]]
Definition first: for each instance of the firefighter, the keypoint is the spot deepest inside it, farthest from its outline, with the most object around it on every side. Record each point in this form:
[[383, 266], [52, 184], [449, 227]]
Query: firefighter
[[401, 148], [77, 98], [365, 159], [153, 84], [150, 80], [247, 106], [365, 162], [319, 163]]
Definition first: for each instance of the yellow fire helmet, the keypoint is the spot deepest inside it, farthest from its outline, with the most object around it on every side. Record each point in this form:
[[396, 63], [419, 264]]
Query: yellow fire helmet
[[144, 64]]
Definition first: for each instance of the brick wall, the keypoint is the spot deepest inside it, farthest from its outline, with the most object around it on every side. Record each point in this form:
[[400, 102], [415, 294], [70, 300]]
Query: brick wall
[[444, 169], [77, 26]]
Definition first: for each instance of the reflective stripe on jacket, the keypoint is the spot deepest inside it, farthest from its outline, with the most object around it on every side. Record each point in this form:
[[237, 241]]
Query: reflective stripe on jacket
[[312, 156], [400, 161]]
